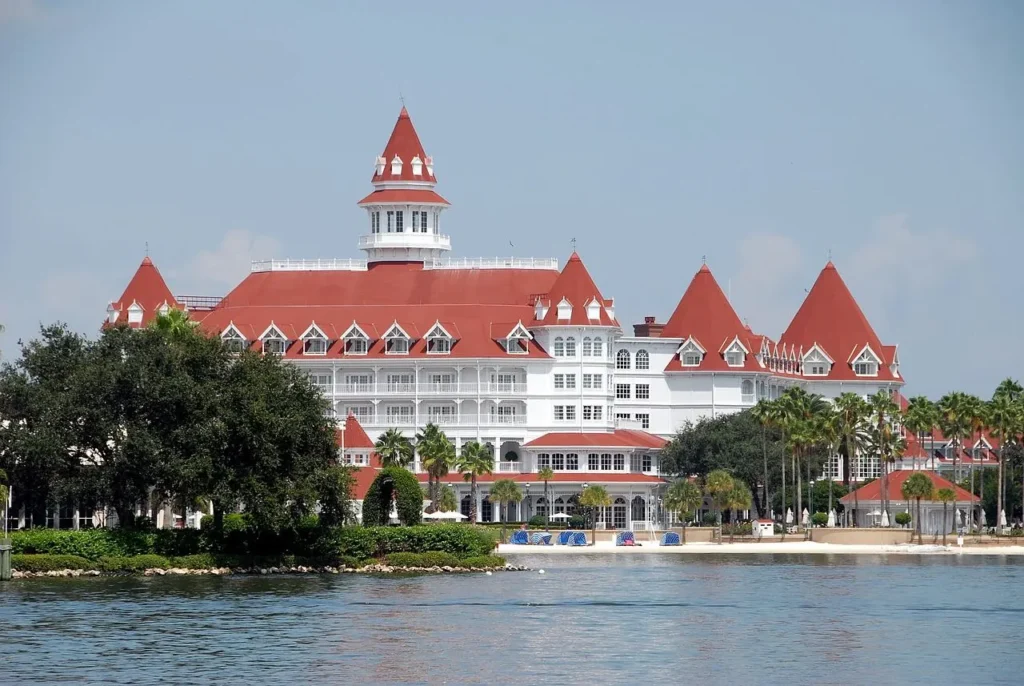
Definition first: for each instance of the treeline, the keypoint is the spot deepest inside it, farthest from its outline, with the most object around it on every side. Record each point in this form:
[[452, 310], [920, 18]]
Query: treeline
[[165, 415]]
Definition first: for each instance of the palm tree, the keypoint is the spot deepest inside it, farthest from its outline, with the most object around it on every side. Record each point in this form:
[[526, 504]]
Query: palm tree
[[475, 461], [955, 423], [764, 413], [682, 498], [446, 501], [885, 439], [979, 423], [918, 485], [174, 322], [739, 498], [546, 474], [437, 455], [719, 484], [503, 492], [946, 496], [1003, 411], [394, 449], [594, 497], [852, 414], [826, 429], [800, 409], [921, 417]]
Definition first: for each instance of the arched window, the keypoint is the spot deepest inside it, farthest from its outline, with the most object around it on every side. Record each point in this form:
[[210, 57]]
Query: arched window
[[570, 347], [465, 504], [598, 347], [541, 508], [587, 347], [747, 390], [643, 360], [622, 359], [638, 509], [559, 505], [619, 513], [559, 347]]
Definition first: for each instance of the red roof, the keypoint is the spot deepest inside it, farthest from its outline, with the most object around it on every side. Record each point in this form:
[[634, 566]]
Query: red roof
[[575, 285], [405, 144], [873, 490], [355, 437], [148, 289], [705, 315], [832, 319], [620, 438], [399, 195]]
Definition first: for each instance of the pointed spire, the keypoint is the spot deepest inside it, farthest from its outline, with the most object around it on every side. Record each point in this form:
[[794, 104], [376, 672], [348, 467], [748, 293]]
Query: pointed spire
[[704, 312], [404, 145], [575, 285], [148, 289]]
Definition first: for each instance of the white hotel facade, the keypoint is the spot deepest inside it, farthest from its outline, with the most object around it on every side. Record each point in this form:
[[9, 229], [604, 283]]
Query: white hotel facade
[[524, 354]]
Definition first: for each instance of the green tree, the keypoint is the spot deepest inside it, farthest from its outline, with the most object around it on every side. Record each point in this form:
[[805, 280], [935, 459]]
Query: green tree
[[394, 449], [174, 324], [437, 454], [884, 438], [946, 496], [446, 501], [475, 461], [921, 417], [396, 485], [764, 412], [683, 498], [955, 417], [800, 409], [592, 498], [916, 487], [1006, 413], [739, 498], [718, 485], [851, 420], [504, 492], [546, 474]]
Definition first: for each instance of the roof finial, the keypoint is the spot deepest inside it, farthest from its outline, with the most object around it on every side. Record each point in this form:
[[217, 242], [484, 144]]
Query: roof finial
[[401, 98], [573, 241], [147, 248], [704, 259], [830, 254]]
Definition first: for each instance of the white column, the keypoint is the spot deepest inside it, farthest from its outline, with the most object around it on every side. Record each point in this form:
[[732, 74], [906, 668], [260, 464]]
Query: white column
[[495, 512], [479, 506]]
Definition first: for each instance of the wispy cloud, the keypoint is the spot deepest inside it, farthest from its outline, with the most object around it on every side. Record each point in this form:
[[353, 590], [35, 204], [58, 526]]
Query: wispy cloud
[[12, 11], [767, 288], [227, 264]]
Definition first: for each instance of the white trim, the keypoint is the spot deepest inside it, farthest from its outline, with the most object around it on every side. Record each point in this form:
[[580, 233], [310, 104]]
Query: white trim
[[358, 329], [313, 327], [690, 341], [280, 334], [229, 328]]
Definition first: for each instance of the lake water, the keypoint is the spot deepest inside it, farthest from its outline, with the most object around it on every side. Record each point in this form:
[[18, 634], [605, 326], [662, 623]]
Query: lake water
[[655, 619]]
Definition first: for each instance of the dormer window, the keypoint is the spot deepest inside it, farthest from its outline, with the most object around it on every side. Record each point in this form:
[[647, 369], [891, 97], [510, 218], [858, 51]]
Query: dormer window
[[396, 166], [518, 341], [381, 163], [135, 313], [356, 342], [430, 165], [417, 166], [691, 359], [594, 310], [314, 342], [112, 313], [233, 340], [691, 354], [816, 362], [439, 341], [396, 341], [163, 309], [564, 310], [540, 309], [866, 364], [273, 341]]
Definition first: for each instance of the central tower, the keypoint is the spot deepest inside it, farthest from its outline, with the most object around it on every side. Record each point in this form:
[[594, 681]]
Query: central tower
[[404, 210]]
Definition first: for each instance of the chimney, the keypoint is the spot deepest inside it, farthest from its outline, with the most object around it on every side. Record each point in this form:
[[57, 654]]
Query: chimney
[[649, 329]]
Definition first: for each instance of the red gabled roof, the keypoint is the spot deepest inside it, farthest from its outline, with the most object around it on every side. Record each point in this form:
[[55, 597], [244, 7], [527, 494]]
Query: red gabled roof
[[355, 437], [830, 317], [705, 315], [405, 144], [148, 289], [620, 438], [397, 195], [873, 490], [575, 285]]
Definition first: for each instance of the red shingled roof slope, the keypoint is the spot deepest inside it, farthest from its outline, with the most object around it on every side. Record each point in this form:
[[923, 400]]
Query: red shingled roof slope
[[406, 145], [575, 285], [148, 289], [355, 435], [873, 490], [410, 195], [620, 438]]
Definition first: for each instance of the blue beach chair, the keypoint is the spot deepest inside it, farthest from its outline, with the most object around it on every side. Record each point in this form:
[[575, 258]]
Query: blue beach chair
[[564, 536], [577, 538], [670, 538], [520, 537], [538, 538], [625, 538]]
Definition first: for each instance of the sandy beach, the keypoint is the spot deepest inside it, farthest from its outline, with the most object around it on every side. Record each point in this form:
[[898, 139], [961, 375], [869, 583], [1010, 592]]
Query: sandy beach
[[799, 547]]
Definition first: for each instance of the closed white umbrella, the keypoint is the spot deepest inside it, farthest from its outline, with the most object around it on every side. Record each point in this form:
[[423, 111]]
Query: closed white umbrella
[[805, 517], [959, 519], [885, 518], [831, 519], [983, 522], [789, 515], [1002, 518]]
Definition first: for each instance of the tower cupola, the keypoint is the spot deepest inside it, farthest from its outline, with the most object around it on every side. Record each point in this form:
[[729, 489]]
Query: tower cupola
[[404, 210]]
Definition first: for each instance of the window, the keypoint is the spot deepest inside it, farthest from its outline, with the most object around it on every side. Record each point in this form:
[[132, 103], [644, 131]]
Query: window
[[400, 383], [570, 347], [557, 461], [397, 346], [572, 461], [396, 166], [643, 391], [322, 381], [622, 359], [734, 358], [644, 419], [593, 464], [375, 222], [438, 341], [543, 461], [606, 461], [588, 347], [598, 347], [691, 359], [643, 359], [622, 415], [620, 462], [233, 340], [423, 222], [865, 365], [415, 221], [570, 413], [441, 414], [398, 221], [593, 412], [559, 381], [647, 463], [356, 345], [747, 391], [314, 342], [597, 380], [622, 391], [399, 412], [570, 381], [588, 412], [559, 347], [274, 342], [619, 513], [588, 381], [360, 412], [391, 220], [135, 314], [559, 413]]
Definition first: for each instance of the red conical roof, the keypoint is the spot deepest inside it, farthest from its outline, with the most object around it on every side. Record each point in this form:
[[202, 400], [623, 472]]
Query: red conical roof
[[405, 144], [355, 435], [831, 318], [148, 289], [575, 285]]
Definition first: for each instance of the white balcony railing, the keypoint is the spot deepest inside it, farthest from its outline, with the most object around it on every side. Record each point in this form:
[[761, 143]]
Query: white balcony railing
[[406, 240], [495, 263], [347, 265], [509, 467], [428, 388], [412, 421]]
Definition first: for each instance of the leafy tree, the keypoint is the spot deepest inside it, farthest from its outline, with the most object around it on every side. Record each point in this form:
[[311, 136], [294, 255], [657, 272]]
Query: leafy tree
[[475, 461], [592, 498], [719, 484], [437, 455], [955, 416], [917, 486], [682, 499], [447, 502], [884, 438], [394, 449], [546, 474], [946, 496], [921, 417], [503, 492], [851, 419], [396, 485], [738, 498]]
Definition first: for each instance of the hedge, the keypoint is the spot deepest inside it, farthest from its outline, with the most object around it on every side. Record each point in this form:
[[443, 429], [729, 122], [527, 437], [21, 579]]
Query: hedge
[[408, 497], [432, 558], [483, 562], [49, 563], [457, 539], [93, 544], [136, 563]]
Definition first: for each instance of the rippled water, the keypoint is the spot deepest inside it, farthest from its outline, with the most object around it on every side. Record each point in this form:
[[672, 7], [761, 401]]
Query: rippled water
[[659, 619]]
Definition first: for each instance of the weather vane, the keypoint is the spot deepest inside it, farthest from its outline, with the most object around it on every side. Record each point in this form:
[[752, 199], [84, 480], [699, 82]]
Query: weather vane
[[573, 241]]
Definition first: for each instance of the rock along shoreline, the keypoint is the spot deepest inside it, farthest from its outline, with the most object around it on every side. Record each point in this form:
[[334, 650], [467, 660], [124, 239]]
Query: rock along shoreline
[[267, 571]]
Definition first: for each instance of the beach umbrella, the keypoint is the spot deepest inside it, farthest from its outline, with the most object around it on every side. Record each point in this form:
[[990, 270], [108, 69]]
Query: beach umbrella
[[561, 515], [831, 519], [1002, 518], [789, 515], [959, 518], [457, 516], [885, 518], [983, 522], [805, 517]]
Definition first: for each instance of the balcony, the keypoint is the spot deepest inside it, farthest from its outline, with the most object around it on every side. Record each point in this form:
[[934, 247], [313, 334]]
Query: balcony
[[430, 389], [417, 422], [406, 240], [510, 467]]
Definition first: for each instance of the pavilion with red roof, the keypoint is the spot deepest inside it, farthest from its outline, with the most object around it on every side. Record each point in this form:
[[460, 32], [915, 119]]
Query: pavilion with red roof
[[868, 503]]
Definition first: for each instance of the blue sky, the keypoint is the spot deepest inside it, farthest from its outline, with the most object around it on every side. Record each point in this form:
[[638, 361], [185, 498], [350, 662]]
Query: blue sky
[[762, 135]]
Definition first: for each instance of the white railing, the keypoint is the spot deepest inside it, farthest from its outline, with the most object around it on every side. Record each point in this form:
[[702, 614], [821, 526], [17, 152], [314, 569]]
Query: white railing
[[503, 388], [509, 467], [397, 388], [440, 388], [339, 264], [198, 302], [414, 240], [494, 263], [412, 421], [427, 388]]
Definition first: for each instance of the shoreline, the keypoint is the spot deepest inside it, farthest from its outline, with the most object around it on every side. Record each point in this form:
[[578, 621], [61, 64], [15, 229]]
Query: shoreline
[[773, 548], [264, 571]]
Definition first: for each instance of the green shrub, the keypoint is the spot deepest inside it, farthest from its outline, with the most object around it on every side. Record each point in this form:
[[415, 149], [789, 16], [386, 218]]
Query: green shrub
[[903, 518], [482, 562], [135, 563], [409, 500], [460, 540], [577, 522], [537, 520], [49, 563], [201, 561], [819, 519], [348, 562], [366, 562], [432, 558]]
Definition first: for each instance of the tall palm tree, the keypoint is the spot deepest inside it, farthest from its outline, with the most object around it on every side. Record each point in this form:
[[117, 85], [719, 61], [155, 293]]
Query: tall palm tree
[[764, 413], [955, 423], [851, 417], [592, 498], [438, 456], [682, 498], [739, 498], [394, 449], [504, 492], [917, 486], [719, 484], [174, 322], [474, 461], [979, 424], [1004, 413], [884, 415], [921, 417], [801, 408], [946, 496], [546, 474], [826, 429]]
